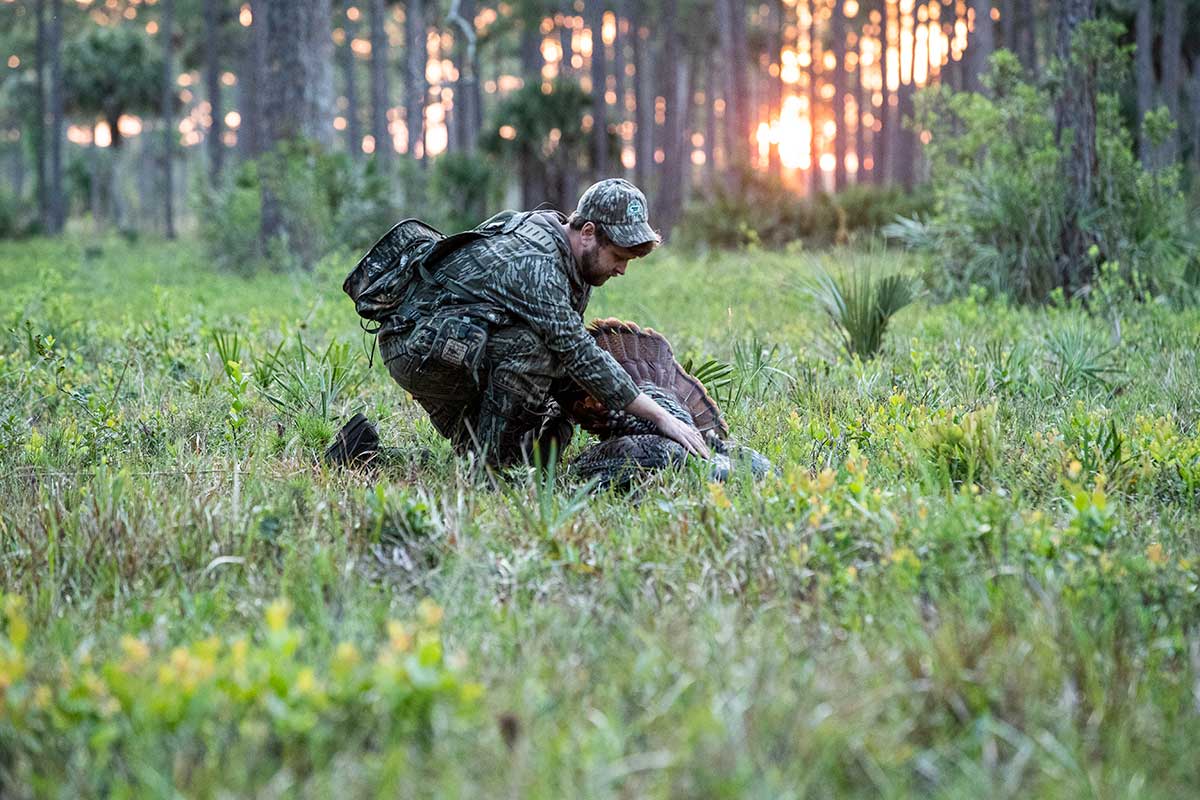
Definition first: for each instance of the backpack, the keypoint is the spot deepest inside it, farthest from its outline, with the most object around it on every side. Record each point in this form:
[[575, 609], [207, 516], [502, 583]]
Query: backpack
[[378, 282]]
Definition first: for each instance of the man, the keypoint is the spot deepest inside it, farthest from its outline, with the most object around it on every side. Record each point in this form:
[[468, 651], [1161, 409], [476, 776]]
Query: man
[[491, 340]]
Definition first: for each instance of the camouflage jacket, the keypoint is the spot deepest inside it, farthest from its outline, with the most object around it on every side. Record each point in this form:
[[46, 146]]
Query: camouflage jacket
[[526, 276]]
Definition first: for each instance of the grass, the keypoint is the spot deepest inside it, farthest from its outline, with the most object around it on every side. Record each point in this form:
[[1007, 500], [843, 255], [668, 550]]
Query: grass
[[975, 573]]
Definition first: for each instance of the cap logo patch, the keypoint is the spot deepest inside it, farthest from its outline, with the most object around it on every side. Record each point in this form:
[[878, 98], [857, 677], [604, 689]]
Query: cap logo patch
[[635, 210]]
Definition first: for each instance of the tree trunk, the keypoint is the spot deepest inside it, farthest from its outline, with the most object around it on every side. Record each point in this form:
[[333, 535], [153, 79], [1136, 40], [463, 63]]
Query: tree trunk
[[712, 86], [39, 130], [906, 152], [838, 34], [212, 73], [883, 155], [250, 84], [1171, 64], [167, 110], [58, 202], [670, 195], [774, 82], [618, 71], [565, 35], [532, 173], [296, 91], [643, 94], [599, 138], [349, 69], [981, 46], [1025, 21], [379, 84], [1075, 127], [860, 134], [1144, 69], [466, 87], [416, 89], [815, 182], [733, 45]]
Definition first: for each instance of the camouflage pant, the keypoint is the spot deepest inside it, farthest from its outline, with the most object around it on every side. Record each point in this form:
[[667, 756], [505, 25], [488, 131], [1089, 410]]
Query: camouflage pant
[[490, 390]]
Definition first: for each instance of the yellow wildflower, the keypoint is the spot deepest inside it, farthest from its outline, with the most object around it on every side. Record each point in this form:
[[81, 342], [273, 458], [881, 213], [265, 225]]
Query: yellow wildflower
[[717, 492], [399, 636], [1155, 553], [1074, 468], [431, 613], [277, 614]]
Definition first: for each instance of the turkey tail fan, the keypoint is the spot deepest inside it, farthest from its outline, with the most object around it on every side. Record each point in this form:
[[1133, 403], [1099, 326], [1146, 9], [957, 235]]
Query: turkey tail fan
[[647, 356]]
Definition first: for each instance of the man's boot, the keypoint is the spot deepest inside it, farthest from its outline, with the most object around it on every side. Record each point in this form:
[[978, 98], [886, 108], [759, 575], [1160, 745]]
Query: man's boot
[[356, 443]]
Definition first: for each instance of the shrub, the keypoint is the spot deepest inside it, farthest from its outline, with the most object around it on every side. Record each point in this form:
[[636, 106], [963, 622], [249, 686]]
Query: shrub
[[758, 209], [327, 200], [860, 307], [1001, 194], [225, 714], [963, 447]]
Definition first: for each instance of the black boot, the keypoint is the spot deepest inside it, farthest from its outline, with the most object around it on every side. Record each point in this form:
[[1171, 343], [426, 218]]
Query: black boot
[[356, 443]]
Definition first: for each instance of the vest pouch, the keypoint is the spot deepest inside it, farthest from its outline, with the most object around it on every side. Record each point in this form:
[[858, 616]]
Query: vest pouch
[[450, 341]]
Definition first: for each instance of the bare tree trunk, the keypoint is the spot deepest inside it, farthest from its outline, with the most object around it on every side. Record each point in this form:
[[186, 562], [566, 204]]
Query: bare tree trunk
[[670, 196], [733, 45], [643, 92], [838, 34], [618, 71], [296, 90], [250, 136], [860, 134], [58, 202], [599, 139], [1075, 126], [815, 182], [906, 152], [416, 88], [1144, 68], [883, 151], [349, 68], [466, 87], [1025, 22], [981, 46], [39, 132], [774, 83], [1194, 96], [167, 31], [1171, 63], [212, 75], [564, 39], [379, 85], [533, 177], [712, 85]]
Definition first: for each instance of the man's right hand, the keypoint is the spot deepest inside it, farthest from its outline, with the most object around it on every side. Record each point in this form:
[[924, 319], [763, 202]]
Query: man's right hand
[[689, 438]]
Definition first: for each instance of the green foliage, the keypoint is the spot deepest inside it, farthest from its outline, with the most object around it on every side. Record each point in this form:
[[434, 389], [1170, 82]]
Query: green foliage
[[860, 306], [757, 210], [1001, 192], [960, 567], [469, 186], [327, 199], [110, 71], [548, 137], [964, 447], [241, 710]]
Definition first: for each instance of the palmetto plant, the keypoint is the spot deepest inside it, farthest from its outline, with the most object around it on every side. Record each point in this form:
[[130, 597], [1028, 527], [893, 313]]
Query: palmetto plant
[[860, 307]]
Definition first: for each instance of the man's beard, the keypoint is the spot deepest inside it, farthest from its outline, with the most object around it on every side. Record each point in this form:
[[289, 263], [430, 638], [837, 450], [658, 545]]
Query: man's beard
[[589, 266]]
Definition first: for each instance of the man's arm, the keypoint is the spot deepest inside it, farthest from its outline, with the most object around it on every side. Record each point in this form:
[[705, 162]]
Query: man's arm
[[643, 406], [536, 292]]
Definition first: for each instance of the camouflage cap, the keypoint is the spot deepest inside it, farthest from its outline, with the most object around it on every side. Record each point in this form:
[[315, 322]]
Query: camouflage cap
[[620, 208]]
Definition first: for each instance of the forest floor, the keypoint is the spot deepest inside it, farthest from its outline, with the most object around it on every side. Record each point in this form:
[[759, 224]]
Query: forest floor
[[975, 573]]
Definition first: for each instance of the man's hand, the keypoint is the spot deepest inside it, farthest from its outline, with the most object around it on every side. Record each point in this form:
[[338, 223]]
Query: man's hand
[[643, 406]]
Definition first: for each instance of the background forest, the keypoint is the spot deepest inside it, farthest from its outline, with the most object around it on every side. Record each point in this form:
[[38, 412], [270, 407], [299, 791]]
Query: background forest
[[937, 261]]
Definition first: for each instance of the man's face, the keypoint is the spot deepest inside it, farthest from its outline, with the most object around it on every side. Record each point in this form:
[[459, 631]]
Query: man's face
[[599, 263]]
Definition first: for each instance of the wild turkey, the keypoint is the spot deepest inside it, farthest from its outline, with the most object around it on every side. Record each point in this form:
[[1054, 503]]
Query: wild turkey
[[629, 445]]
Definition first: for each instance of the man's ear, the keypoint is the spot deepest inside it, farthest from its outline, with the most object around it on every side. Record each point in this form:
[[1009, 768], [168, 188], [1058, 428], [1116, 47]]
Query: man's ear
[[588, 232]]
